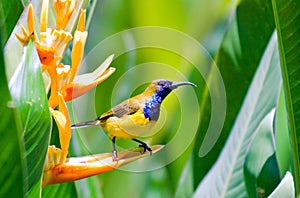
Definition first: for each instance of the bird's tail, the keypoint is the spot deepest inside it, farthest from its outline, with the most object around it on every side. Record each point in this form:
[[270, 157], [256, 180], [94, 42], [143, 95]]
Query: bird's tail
[[85, 124]]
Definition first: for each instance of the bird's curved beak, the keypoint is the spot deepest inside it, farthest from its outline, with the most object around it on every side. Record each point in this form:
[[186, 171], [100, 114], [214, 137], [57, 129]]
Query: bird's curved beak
[[177, 84]]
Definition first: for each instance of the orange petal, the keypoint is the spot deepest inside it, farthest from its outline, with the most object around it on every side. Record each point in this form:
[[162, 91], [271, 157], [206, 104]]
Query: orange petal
[[75, 90], [64, 10], [83, 167], [53, 99], [46, 54], [77, 51], [85, 82], [30, 23], [81, 21], [64, 127]]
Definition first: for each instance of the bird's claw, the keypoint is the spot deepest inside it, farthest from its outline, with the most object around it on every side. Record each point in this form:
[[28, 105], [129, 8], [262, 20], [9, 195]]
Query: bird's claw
[[146, 147], [115, 156]]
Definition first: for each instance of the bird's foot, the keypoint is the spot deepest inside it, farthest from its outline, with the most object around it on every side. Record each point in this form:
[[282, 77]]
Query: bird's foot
[[114, 151], [143, 145], [146, 148], [115, 156]]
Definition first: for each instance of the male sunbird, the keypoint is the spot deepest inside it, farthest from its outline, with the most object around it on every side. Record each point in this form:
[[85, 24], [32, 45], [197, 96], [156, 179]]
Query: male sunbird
[[136, 116]]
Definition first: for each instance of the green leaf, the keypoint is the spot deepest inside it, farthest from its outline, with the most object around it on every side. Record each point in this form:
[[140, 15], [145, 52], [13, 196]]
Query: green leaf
[[13, 50], [282, 139], [12, 172], [261, 159], [226, 179], [287, 17], [238, 57], [28, 93], [35, 191], [285, 188], [66, 190], [9, 15]]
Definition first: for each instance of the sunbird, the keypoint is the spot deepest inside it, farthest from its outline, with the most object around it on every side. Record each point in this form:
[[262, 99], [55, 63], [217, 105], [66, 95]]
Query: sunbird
[[135, 116]]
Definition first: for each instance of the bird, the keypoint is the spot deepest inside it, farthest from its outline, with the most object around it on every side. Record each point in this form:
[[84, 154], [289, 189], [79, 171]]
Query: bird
[[135, 116]]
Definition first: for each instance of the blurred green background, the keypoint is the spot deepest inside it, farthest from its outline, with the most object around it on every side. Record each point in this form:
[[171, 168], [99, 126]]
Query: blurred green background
[[229, 49]]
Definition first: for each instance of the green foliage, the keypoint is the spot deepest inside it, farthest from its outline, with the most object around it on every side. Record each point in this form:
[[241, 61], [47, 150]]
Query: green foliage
[[226, 178], [282, 139], [11, 145], [239, 54], [66, 189], [9, 15], [29, 95], [287, 17]]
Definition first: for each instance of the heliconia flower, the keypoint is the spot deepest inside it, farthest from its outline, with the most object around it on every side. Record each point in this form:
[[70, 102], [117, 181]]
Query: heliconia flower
[[51, 47], [82, 167], [67, 83]]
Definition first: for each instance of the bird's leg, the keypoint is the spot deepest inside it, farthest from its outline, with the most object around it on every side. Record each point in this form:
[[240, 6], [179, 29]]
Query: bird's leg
[[144, 145], [114, 151]]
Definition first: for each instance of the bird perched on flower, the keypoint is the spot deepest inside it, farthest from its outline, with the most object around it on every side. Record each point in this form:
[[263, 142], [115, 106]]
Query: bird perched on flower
[[136, 116]]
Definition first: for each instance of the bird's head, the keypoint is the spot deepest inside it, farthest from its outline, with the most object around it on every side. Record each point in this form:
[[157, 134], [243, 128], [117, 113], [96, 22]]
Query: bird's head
[[162, 88]]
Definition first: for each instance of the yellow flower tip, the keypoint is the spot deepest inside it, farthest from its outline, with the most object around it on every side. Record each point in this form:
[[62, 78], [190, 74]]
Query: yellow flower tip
[[30, 19], [62, 120], [23, 39], [64, 9], [64, 130], [82, 167], [53, 157], [77, 52], [30, 23], [24, 31], [81, 22], [44, 15], [46, 55]]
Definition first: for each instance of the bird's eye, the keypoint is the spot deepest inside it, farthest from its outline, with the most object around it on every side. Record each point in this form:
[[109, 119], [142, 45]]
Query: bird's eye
[[161, 83]]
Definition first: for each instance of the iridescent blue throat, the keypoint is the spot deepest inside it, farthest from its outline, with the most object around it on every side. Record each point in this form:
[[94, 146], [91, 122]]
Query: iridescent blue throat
[[152, 106]]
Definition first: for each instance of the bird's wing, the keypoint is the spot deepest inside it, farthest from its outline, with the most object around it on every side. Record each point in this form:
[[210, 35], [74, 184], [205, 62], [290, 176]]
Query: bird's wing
[[127, 107]]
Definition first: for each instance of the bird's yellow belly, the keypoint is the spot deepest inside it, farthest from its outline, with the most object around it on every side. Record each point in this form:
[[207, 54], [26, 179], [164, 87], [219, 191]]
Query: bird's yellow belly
[[128, 126]]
